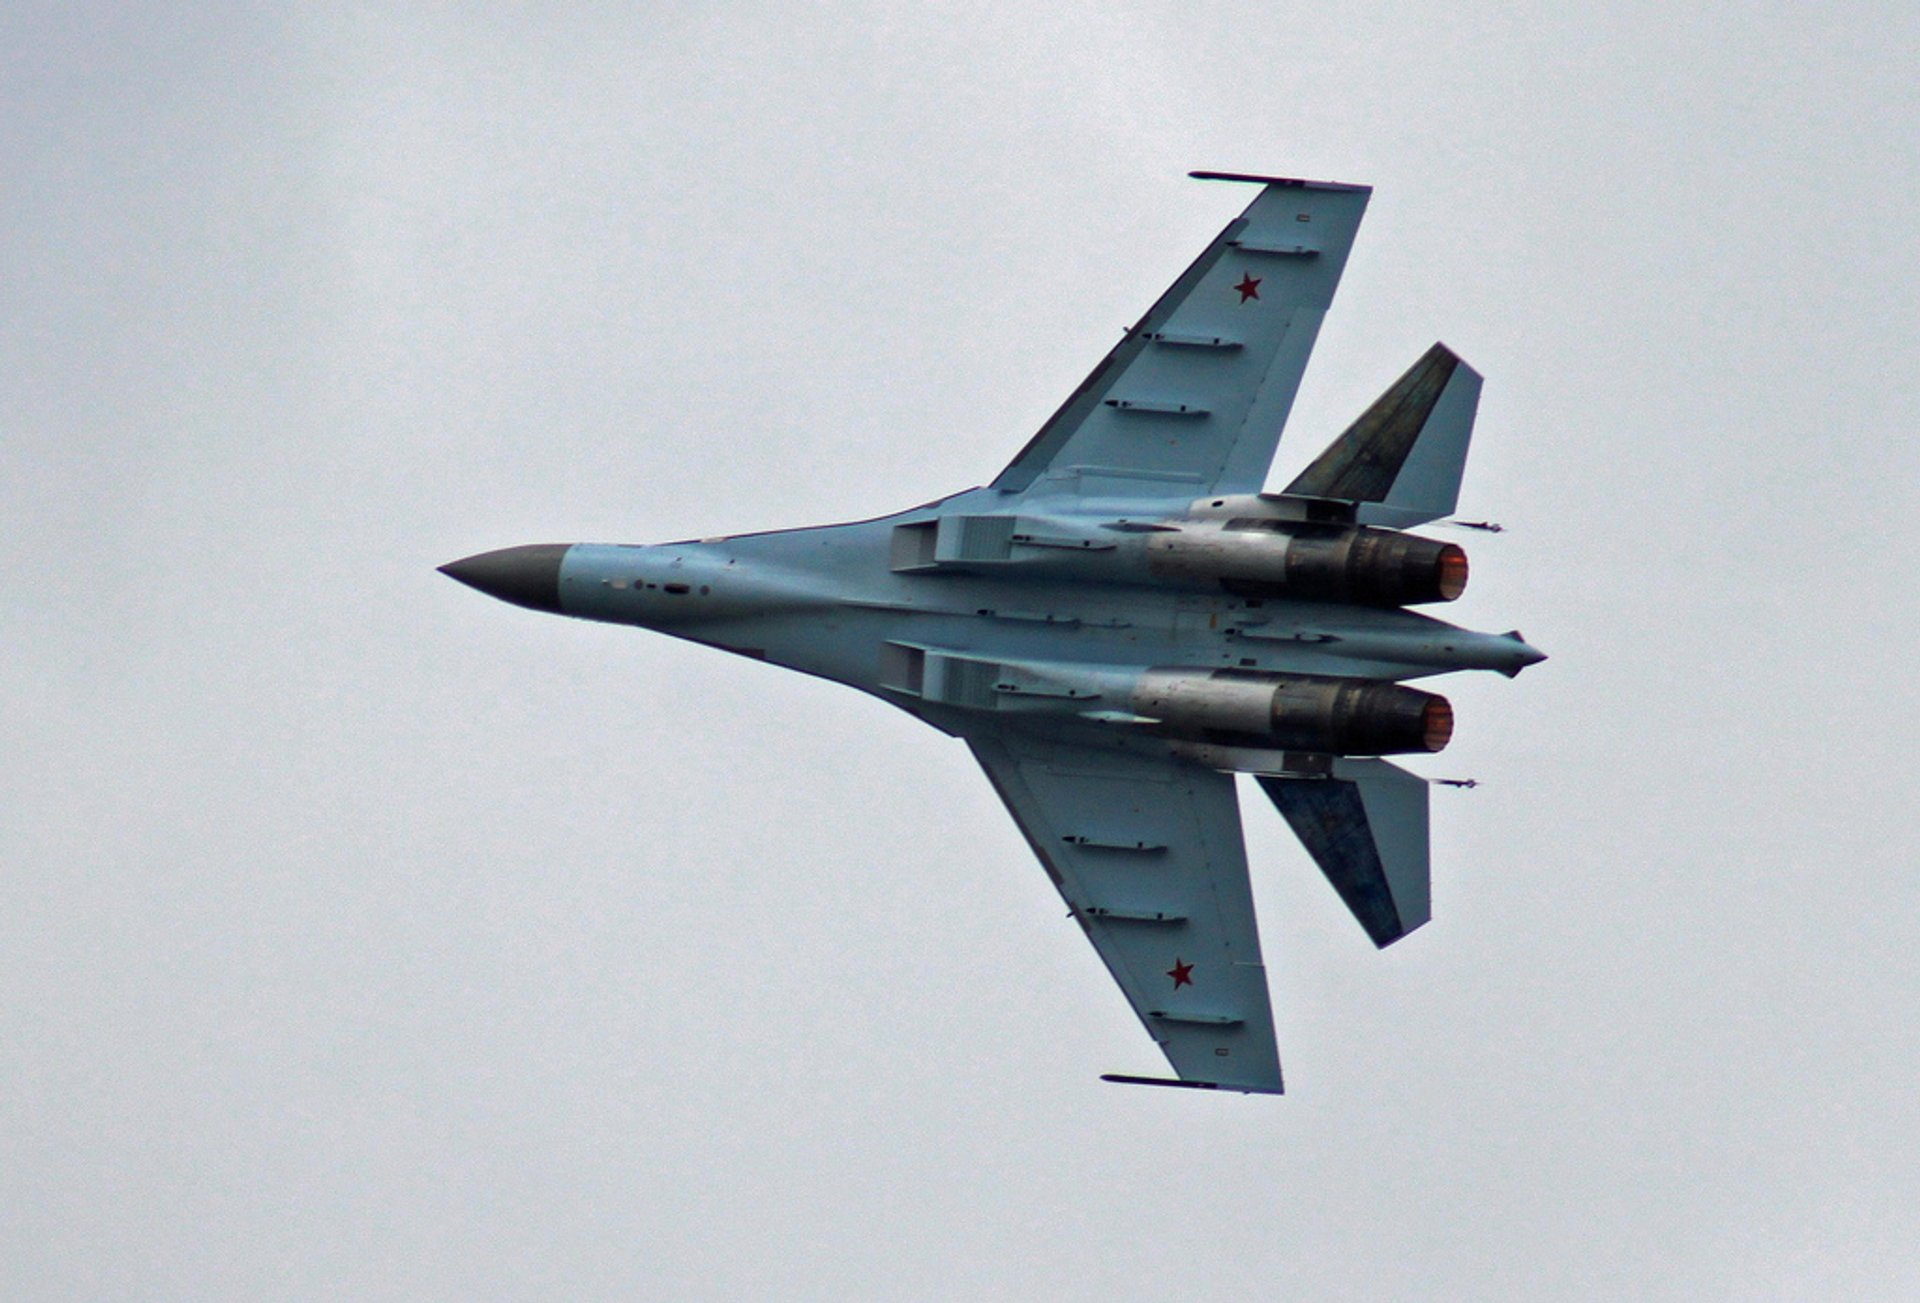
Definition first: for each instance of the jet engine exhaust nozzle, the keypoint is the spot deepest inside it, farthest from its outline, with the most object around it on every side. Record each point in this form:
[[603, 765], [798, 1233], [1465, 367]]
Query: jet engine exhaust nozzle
[[1350, 717], [1265, 558]]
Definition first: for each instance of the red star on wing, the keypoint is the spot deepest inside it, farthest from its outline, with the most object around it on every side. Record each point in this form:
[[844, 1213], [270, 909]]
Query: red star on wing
[[1181, 973], [1249, 287]]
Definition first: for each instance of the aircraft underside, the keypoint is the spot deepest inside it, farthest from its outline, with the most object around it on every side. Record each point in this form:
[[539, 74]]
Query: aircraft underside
[[1122, 620]]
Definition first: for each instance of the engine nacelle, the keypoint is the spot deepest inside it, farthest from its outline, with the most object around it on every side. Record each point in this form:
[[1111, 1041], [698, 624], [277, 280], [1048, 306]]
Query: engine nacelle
[[1335, 563], [1354, 717]]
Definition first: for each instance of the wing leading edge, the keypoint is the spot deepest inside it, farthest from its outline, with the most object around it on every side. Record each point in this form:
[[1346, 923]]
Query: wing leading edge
[[1192, 399], [1146, 850]]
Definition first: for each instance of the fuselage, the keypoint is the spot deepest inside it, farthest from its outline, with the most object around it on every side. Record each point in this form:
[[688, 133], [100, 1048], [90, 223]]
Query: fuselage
[[1079, 603]]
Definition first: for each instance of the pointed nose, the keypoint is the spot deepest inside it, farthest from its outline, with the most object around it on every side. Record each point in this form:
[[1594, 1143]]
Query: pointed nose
[[526, 576]]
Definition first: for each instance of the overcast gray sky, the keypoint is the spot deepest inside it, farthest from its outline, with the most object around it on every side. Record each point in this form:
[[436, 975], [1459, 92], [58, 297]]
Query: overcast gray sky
[[362, 937]]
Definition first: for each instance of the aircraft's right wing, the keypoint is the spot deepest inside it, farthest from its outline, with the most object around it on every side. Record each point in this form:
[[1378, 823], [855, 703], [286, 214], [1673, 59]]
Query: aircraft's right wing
[[1146, 849], [1191, 401]]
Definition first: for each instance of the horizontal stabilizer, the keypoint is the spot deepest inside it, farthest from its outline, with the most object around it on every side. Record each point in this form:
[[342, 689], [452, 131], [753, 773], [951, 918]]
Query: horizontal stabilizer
[[1366, 827], [1407, 451]]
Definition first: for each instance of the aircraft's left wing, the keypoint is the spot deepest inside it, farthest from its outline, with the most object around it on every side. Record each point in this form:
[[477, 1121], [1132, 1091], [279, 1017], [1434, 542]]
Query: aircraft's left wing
[[1191, 400], [1146, 849]]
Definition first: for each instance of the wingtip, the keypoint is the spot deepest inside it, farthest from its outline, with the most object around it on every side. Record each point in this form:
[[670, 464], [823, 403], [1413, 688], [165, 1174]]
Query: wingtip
[[1126, 1079], [1291, 182]]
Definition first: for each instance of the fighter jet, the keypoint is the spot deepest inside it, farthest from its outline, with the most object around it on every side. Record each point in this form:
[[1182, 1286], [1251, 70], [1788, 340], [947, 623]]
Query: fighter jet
[[1123, 620]]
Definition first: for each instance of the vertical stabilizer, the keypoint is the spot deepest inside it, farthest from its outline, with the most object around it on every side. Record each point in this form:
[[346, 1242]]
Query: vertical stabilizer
[[1404, 457], [1366, 827]]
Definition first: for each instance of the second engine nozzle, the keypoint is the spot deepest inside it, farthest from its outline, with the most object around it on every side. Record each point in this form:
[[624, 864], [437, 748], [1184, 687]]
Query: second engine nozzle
[[1354, 717], [1336, 563]]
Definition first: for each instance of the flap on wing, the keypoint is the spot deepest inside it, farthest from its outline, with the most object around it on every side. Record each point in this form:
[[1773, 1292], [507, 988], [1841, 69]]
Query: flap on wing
[[1366, 827], [1146, 850], [1408, 450]]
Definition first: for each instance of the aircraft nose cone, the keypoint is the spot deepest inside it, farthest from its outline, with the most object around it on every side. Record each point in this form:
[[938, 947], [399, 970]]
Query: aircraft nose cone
[[526, 576]]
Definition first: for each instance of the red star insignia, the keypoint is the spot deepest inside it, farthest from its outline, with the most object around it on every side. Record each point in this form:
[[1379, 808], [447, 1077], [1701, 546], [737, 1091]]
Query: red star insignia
[[1181, 973], [1249, 287]]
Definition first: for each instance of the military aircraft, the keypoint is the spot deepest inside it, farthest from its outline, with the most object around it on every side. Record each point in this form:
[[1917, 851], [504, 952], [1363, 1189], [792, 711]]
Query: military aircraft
[[1123, 620]]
